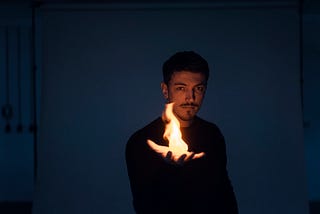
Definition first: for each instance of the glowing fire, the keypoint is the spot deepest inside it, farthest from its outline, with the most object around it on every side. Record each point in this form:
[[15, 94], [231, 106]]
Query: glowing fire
[[173, 134]]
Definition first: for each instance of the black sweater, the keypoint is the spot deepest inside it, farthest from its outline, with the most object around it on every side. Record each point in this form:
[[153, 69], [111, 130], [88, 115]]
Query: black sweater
[[200, 186]]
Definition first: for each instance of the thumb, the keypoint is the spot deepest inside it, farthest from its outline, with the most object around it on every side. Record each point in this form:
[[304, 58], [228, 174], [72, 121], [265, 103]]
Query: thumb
[[157, 148]]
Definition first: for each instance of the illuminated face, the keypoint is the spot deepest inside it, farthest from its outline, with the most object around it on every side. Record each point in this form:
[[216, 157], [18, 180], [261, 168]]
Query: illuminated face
[[186, 89]]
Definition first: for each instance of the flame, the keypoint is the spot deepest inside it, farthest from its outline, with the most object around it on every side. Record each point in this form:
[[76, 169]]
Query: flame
[[172, 132]]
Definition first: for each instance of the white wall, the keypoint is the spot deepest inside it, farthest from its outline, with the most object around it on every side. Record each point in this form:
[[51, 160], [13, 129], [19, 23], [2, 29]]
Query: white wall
[[101, 82]]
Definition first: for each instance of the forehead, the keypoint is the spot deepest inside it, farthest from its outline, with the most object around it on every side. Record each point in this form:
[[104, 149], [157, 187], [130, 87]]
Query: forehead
[[187, 77]]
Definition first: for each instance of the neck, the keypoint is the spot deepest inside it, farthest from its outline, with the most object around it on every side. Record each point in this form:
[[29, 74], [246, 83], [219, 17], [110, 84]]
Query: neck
[[184, 123]]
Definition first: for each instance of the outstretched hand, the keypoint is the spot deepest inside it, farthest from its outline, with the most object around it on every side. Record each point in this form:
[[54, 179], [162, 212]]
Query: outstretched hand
[[174, 157]]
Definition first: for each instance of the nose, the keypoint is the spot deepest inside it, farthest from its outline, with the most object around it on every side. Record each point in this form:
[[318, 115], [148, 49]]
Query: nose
[[190, 95]]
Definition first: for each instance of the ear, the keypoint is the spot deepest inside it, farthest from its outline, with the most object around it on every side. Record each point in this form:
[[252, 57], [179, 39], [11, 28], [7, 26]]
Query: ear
[[164, 89]]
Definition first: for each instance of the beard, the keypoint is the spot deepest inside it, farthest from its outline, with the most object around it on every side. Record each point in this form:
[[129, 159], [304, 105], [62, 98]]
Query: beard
[[186, 114]]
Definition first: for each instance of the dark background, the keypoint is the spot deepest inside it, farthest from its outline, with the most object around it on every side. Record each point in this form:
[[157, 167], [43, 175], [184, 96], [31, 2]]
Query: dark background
[[98, 77]]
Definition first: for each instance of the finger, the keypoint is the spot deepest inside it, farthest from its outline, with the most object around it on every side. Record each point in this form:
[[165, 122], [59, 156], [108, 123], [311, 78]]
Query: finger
[[180, 160], [153, 145], [189, 157], [157, 148], [198, 155], [168, 157]]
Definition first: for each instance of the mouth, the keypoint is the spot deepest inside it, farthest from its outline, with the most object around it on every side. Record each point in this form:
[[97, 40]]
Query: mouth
[[189, 106]]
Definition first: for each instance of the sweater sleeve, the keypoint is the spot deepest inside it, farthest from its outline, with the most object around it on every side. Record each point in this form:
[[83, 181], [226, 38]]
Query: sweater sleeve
[[137, 175], [228, 198], [142, 171]]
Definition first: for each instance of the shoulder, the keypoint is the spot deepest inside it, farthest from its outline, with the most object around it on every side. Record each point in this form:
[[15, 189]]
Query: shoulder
[[211, 134], [136, 147], [204, 124], [209, 131], [146, 132]]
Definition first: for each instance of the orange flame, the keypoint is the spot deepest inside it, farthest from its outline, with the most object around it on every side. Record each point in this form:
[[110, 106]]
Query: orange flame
[[172, 132]]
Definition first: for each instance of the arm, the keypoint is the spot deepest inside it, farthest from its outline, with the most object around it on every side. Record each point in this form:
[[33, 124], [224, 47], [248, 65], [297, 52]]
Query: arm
[[143, 167], [229, 201], [138, 176]]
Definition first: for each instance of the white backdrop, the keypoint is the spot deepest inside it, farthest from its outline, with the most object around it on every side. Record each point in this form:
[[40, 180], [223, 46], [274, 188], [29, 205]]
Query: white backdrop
[[101, 82]]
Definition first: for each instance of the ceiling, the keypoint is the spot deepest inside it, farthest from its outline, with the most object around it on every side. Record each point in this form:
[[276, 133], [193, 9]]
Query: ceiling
[[309, 6]]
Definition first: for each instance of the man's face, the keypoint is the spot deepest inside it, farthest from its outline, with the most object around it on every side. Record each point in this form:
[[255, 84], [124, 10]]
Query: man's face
[[186, 89]]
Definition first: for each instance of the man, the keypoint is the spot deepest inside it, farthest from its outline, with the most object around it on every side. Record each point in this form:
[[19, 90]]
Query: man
[[197, 181]]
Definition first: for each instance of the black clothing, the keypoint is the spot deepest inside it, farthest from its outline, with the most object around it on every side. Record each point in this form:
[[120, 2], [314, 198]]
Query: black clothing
[[200, 186]]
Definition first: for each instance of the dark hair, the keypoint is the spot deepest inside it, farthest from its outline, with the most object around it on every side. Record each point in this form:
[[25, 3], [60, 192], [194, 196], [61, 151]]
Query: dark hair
[[184, 61]]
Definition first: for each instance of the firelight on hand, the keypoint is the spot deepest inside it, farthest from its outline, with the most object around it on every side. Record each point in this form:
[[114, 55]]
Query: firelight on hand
[[177, 151]]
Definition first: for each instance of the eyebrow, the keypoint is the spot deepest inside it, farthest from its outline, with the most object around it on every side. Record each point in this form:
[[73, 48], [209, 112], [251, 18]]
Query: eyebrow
[[181, 83]]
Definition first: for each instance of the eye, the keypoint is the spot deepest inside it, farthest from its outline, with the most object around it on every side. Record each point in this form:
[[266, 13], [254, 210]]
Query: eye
[[180, 88], [200, 89]]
